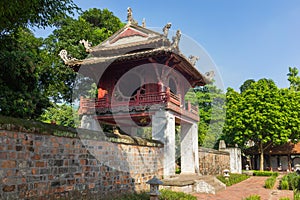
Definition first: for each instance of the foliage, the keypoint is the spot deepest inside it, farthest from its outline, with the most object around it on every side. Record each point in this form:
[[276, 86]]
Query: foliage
[[246, 85], [22, 93], [265, 173], [31, 73], [252, 197], [210, 101], [67, 37], [284, 198], [287, 178], [165, 195], [294, 79], [262, 114], [296, 195], [290, 181], [270, 182], [134, 196], [295, 181], [284, 185], [23, 125], [171, 195], [233, 179], [40, 13], [63, 115]]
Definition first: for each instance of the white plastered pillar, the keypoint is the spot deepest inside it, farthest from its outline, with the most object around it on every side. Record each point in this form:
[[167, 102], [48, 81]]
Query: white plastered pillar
[[163, 129], [189, 148]]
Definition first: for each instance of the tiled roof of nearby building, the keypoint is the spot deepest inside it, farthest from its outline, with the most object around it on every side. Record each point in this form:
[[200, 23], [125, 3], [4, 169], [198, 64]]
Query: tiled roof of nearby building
[[284, 149]]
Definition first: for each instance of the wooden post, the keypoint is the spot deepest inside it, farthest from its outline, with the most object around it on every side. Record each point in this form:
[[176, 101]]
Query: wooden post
[[138, 97], [168, 94], [189, 106], [289, 162]]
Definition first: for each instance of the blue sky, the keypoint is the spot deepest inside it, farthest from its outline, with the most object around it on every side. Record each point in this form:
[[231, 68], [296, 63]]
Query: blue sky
[[246, 39]]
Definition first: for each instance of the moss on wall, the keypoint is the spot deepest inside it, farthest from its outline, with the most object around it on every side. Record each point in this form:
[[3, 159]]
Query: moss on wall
[[28, 126]]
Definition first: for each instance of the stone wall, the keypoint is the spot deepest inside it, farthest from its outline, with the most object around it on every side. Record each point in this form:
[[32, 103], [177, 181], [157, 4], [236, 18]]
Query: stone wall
[[235, 159], [46, 166], [213, 162]]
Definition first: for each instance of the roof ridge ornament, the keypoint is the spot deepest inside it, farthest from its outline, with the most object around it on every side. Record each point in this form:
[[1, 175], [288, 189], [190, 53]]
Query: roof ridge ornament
[[65, 57], [176, 39], [87, 45], [209, 76], [130, 19], [166, 29], [144, 23], [193, 59]]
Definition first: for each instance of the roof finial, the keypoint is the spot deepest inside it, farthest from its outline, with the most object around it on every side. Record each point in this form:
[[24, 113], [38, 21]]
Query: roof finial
[[193, 59], [144, 23], [87, 45], [176, 39], [130, 19], [65, 57], [209, 76], [166, 29]]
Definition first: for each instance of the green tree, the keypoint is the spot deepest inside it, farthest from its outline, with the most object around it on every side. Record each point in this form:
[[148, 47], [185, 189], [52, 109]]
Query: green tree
[[262, 114], [21, 89], [63, 115], [233, 117], [294, 79], [40, 13], [32, 74], [246, 85], [91, 26], [210, 101]]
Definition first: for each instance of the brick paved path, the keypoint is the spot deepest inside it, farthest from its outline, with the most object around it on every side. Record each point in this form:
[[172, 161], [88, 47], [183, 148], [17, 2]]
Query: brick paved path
[[251, 186]]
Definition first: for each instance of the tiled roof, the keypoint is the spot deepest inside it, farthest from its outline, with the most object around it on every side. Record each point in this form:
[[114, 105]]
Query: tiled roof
[[134, 42], [284, 149]]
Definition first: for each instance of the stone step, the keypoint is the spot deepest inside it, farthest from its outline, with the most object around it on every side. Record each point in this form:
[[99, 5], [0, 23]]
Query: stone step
[[193, 183], [209, 185]]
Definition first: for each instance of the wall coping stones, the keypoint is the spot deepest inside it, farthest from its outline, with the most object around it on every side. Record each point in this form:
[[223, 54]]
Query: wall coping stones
[[39, 128], [207, 150]]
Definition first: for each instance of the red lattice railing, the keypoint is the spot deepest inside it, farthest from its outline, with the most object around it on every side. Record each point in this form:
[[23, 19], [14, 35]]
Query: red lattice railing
[[165, 99]]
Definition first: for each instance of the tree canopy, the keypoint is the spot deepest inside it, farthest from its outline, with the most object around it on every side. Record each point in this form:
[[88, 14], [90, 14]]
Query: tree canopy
[[61, 115], [210, 101], [32, 74], [262, 114], [39, 13], [294, 79], [21, 94]]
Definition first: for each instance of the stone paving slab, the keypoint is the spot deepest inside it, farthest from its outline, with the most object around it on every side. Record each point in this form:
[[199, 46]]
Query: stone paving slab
[[251, 186]]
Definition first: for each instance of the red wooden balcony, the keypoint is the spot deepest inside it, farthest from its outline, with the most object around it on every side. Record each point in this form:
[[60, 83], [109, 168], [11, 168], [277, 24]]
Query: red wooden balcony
[[138, 103]]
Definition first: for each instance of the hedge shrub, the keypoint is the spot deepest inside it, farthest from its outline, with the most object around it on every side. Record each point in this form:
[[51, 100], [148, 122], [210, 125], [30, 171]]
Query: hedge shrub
[[165, 195], [284, 185], [296, 195], [270, 182], [253, 197], [296, 182], [233, 179], [293, 181], [171, 195], [265, 173]]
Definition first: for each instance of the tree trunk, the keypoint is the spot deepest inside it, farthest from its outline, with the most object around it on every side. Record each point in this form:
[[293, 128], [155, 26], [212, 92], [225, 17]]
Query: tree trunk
[[261, 161]]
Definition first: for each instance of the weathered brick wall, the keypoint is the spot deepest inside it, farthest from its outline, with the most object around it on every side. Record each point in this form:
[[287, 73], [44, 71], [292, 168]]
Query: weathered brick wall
[[213, 162], [46, 166]]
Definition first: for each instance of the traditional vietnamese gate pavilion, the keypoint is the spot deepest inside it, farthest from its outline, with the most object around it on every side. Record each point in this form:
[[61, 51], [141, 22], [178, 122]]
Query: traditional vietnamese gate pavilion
[[142, 78]]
